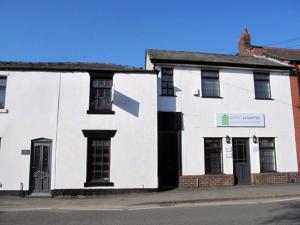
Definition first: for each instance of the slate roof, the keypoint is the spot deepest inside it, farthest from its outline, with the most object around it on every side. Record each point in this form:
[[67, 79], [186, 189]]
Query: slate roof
[[283, 54], [182, 57], [67, 66]]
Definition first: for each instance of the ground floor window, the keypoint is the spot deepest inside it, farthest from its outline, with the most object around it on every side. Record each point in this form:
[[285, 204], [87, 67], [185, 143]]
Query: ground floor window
[[267, 155], [213, 155], [98, 167]]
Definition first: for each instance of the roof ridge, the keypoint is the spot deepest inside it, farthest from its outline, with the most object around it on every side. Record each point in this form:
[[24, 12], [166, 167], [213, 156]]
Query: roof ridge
[[206, 53]]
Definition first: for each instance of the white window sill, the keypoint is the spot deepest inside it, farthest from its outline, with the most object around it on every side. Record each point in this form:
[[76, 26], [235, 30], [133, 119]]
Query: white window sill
[[3, 110]]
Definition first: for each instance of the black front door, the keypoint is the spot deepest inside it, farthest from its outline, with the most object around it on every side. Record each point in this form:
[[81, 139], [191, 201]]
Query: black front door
[[168, 159], [241, 160], [40, 167]]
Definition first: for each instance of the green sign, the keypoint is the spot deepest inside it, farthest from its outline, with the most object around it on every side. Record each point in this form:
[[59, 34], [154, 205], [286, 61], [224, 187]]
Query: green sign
[[225, 119]]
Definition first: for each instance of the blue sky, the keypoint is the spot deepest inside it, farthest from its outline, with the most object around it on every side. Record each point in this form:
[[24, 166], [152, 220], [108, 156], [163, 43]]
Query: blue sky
[[119, 31]]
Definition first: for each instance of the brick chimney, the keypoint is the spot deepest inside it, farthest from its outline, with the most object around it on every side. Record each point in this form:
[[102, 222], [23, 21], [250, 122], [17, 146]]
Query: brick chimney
[[244, 43]]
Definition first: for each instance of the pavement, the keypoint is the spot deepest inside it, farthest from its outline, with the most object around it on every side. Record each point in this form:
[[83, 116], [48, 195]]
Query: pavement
[[153, 199]]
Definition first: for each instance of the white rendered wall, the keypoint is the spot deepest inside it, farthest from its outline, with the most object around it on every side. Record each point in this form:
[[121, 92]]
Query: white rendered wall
[[237, 92], [32, 100], [134, 147]]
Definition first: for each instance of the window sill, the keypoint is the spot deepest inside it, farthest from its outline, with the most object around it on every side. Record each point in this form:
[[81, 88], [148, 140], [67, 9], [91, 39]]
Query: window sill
[[91, 111], [98, 184], [3, 110], [168, 95], [212, 97], [264, 99]]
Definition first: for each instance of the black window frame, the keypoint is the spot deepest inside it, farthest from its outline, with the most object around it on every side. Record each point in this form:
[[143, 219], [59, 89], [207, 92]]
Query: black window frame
[[98, 136], [262, 158], [3, 89], [170, 91], [262, 77], [100, 110], [209, 77], [208, 159]]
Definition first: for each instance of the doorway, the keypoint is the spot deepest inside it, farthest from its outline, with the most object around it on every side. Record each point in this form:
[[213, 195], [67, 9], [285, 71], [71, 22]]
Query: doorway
[[168, 159], [241, 161], [40, 166], [169, 149]]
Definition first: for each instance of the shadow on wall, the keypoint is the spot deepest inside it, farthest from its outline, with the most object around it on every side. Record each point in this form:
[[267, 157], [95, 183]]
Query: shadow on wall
[[126, 103], [290, 214]]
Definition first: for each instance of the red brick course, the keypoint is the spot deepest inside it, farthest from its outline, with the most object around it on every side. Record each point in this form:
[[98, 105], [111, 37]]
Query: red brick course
[[206, 181], [196, 181], [275, 178]]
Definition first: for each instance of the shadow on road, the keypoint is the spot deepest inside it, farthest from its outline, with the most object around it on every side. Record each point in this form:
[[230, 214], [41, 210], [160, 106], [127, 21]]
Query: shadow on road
[[286, 213]]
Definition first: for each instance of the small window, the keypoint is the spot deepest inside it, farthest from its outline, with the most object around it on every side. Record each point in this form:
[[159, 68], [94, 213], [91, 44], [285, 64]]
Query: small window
[[210, 83], [262, 86], [101, 94], [98, 165], [167, 82], [213, 155], [267, 155], [2, 91]]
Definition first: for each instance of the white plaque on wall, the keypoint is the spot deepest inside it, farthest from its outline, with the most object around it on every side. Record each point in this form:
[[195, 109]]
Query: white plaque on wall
[[240, 120]]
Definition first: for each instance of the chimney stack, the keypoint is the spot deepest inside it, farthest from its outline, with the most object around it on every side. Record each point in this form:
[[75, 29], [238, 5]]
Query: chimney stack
[[244, 43]]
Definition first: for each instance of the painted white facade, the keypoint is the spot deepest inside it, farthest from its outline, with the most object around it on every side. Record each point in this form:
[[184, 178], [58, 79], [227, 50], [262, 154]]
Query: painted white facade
[[237, 96], [54, 105]]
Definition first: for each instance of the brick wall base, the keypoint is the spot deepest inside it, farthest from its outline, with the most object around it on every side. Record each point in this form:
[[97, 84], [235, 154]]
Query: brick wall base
[[197, 181], [275, 178], [206, 181]]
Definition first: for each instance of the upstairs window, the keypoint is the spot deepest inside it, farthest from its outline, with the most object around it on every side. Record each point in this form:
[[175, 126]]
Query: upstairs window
[[262, 86], [167, 82], [101, 94], [267, 155], [210, 83], [213, 155], [2, 91]]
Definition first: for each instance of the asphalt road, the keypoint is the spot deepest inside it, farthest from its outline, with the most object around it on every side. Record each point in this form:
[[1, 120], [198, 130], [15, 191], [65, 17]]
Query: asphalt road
[[278, 212]]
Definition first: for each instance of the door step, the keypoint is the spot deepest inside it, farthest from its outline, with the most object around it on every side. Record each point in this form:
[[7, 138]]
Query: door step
[[40, 195]]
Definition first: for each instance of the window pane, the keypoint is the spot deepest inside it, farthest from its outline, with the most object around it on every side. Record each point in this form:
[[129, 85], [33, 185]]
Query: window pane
[[167, 71], [210, 87], [262, 89], [213, 155], [101, 93], [2, 91], [2, 82], [210, 73], [167, 82], [261, 76], [267, 155], [98, 160]]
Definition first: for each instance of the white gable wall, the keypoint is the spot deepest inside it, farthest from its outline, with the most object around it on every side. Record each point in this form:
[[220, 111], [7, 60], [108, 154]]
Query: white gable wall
[[237, 92], [32, 99]]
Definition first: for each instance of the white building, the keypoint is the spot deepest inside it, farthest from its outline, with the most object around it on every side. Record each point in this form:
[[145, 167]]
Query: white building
[[188, 120], [223, 120], [70, 128]]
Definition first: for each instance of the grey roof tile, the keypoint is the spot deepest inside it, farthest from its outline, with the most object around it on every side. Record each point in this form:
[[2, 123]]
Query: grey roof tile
[[209, 59], [283, 55], [67, 66]]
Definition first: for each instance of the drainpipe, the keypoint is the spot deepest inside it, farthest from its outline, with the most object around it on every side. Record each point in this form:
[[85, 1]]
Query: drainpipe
[[56, 132]]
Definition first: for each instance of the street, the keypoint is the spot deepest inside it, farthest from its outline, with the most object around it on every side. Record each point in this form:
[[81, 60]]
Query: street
[[247, 212]]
